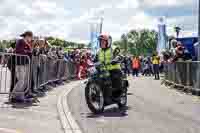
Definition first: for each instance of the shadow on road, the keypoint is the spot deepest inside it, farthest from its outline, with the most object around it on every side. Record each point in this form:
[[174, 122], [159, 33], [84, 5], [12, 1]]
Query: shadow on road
[[40, 92], [24, 105], [129, 94], [111, 112]]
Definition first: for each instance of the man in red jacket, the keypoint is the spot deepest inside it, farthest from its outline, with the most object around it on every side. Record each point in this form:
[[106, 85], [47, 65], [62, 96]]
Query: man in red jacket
[[23, 51], [135, 66]]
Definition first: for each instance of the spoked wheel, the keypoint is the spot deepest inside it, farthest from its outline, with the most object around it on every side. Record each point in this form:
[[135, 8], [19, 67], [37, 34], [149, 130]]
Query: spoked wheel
[[94, 98], [123, 99]]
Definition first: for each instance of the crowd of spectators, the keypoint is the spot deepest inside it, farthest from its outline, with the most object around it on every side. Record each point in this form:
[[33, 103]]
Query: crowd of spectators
[[82, 59], [177, 53], [154, 64], [38, 51], [146, 66]]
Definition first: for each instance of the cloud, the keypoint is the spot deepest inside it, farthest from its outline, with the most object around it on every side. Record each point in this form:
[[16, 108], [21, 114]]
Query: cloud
[[141, 20], [126, 4], [43, 17], [72, 19], [167, 3]]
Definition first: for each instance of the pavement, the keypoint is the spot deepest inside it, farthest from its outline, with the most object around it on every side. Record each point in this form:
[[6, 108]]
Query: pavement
[[5, 79], [42, 117], [152, 108]]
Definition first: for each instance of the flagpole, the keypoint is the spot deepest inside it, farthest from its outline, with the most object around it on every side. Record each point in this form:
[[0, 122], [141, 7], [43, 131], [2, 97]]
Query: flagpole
[[198, 56], [101, 24], [199, 21]]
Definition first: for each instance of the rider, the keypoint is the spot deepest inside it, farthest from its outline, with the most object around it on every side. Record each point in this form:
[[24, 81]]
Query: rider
[[106, 55]]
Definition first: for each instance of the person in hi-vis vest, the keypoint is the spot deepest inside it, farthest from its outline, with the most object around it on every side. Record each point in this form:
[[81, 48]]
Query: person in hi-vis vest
[[105, 56]]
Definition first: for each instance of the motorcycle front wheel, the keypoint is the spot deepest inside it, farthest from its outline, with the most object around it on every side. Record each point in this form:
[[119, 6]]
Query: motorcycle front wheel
[[94, 98], [123, 99]]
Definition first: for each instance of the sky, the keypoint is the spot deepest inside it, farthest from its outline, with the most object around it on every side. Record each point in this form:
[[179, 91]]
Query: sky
[[72, 19]]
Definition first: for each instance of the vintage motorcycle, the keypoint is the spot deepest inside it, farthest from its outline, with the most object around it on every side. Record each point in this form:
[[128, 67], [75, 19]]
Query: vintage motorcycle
[[99, 92]]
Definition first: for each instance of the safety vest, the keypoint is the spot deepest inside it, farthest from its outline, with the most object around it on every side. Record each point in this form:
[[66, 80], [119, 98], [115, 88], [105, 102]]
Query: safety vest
[[105, 57], [155, 60]]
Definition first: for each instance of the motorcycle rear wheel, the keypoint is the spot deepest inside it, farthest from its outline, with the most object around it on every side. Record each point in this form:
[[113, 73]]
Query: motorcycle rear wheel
[[94, 98]]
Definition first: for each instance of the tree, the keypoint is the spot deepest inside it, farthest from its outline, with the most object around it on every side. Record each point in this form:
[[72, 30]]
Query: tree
[[138, 42], [63, 43], [1, 47], [81, 46], [90, 45]]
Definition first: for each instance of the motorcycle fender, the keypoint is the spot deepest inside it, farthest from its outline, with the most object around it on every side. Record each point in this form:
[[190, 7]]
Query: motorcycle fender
[[93, 81], [125, 83]]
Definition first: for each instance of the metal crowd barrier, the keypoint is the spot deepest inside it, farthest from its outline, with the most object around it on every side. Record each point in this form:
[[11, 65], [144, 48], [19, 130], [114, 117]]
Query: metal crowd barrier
[[48, 70], [40, 71], [14, 68], [185, 74]]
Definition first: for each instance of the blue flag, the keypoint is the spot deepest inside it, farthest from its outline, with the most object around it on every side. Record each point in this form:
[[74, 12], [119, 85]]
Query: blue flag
[[161, 36], [94, 39]]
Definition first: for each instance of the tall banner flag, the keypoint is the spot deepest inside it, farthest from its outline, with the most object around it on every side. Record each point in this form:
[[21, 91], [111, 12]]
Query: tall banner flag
[[162, 36], [95, 31], [94, 34]]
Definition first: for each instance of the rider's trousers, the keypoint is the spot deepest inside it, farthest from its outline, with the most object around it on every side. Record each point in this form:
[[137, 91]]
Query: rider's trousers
[[116, 76]]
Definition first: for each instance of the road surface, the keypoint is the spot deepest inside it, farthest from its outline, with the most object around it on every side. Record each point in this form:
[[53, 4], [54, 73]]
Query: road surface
[[31, 118], [152, 108]]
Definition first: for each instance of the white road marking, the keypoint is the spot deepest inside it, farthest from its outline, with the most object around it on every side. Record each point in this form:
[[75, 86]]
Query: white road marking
[[68, 123], [63, 119]]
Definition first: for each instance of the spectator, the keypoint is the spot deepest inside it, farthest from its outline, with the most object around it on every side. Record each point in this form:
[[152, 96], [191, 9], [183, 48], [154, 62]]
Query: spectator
[[136, 66], [127, 65], [35, 69], [187, 55], [52, 54], [179, 52], [60, 53], [173, 48], [180, 49], [167, 55], [23, 47], [82, 67], [11, 66], [156, 62], [89, 59], [150, 65], [147, 70], [66, 56]]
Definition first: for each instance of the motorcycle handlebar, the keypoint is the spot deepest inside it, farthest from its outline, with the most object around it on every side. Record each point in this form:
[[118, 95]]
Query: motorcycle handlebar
[[98, 64]]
